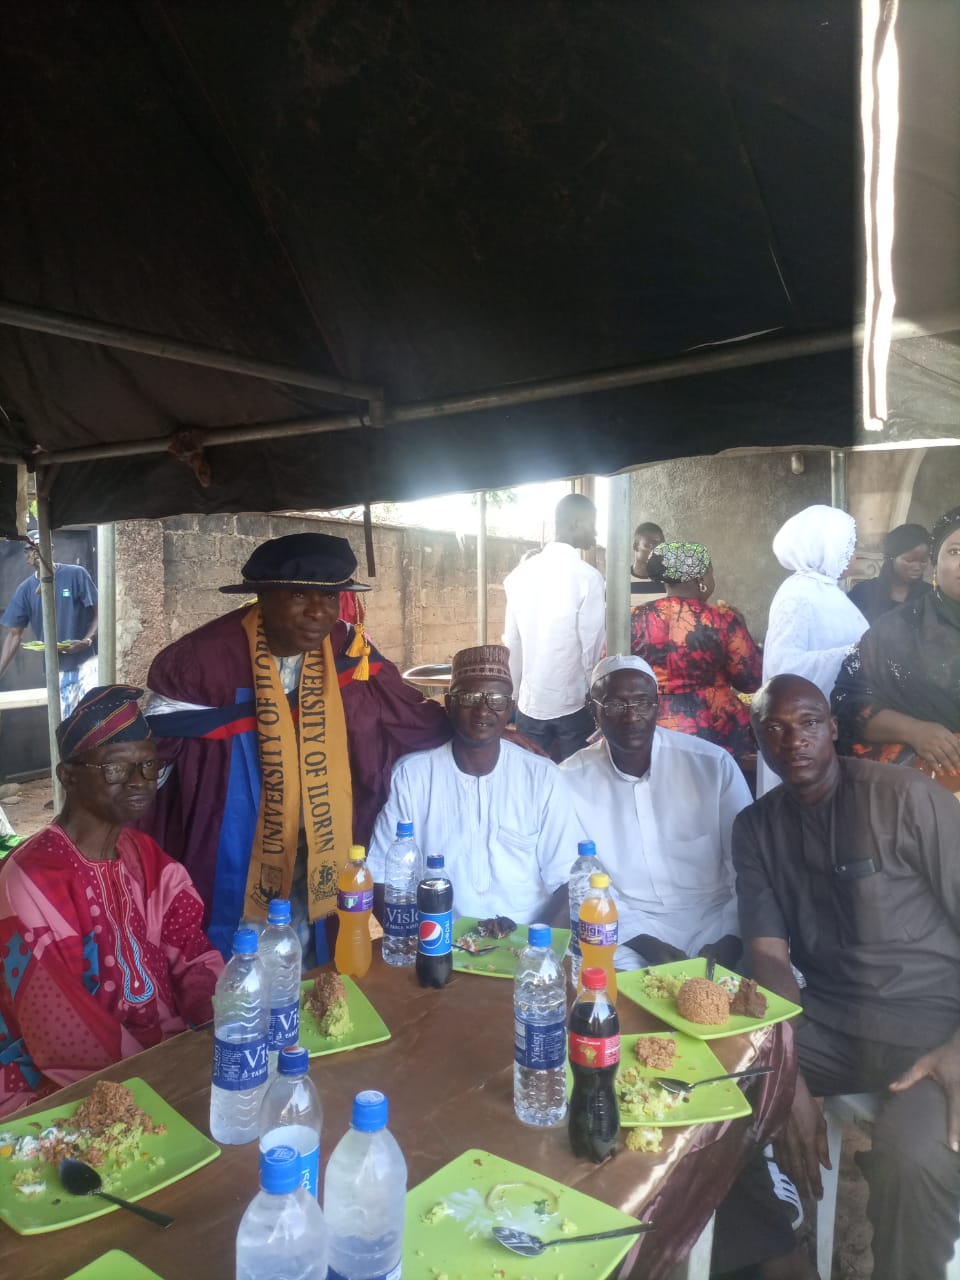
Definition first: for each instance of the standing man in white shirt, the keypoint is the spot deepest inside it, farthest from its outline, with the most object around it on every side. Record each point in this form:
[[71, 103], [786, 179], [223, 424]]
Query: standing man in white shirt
[[554, 629], [660, 806], [501, 816]]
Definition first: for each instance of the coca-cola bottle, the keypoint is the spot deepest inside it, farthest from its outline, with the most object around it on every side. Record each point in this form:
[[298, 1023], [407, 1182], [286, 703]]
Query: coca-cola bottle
[[594, 1053]]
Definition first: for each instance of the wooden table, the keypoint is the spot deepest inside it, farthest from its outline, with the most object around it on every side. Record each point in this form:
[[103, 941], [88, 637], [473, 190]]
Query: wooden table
[[448, 1074]]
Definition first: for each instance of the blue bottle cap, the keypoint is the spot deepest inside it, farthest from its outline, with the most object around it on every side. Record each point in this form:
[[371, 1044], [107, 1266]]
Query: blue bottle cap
[[370, 1111], [586, 849], [245, 942], [294, 1060], [435, 861], [279, 911], [280, 1170], [404, 829], [540, 935]]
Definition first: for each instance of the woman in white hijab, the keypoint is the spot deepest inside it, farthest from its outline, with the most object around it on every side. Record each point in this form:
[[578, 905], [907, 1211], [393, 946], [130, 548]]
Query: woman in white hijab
[[813, 625]]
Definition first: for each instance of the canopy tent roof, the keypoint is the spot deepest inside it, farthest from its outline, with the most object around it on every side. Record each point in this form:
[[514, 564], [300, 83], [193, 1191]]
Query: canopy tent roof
[[434, 199]]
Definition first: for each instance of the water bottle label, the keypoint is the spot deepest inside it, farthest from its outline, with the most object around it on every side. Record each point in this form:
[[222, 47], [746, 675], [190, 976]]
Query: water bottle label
[[435, 936], [284, 1025], [574, 946], [400, 919], [585, 1051], [539, 1046], [239, 1066], [598, 935], [362, 901], [393, 1274]]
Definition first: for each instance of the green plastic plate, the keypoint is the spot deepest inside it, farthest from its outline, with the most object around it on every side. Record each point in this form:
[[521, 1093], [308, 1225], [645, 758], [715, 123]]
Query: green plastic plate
[[480, 1192], [631, 984], [182, 1150], [692, 1061], [368, 1026], [502, 961], [115, 1265]]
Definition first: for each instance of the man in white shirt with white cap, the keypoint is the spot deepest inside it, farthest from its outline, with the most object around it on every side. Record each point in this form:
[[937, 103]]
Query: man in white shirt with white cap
[[660, 807]]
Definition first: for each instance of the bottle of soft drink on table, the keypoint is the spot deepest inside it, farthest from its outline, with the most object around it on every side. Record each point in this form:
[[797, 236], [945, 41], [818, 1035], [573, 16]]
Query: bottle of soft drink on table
[[594, 1056], [435, 936], [584, 866], [364, 1196], [291, 1114], [402, 874], [241, 1011], [282, 1235], [281, 953], [354, 950], [599, 931], [540, 1031]]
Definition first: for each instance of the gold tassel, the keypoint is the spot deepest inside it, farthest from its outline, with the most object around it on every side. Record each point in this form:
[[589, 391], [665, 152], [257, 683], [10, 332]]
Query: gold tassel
[[359, 647]]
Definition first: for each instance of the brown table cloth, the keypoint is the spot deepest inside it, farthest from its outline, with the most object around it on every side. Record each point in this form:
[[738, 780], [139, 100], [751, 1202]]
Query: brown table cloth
[[448, 1073]]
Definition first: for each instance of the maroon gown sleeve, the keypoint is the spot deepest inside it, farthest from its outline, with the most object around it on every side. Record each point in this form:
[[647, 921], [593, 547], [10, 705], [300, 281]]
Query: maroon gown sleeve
[[386, 719]]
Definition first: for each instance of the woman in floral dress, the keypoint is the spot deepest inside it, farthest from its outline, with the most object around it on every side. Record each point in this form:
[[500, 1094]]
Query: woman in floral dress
[[702, 653]]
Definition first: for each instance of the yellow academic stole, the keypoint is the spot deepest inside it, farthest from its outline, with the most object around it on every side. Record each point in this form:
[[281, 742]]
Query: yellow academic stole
[[314, 775]]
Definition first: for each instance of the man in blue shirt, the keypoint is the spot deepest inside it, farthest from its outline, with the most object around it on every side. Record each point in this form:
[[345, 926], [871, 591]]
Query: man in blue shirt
[[76, 606]]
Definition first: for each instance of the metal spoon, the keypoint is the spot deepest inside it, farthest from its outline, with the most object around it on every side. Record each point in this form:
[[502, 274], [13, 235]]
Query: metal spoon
[[83, 1180], [529, 1246], [684, 1086]]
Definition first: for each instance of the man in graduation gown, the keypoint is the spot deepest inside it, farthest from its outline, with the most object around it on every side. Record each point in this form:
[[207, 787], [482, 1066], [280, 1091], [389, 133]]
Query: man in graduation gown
[[282, 724]]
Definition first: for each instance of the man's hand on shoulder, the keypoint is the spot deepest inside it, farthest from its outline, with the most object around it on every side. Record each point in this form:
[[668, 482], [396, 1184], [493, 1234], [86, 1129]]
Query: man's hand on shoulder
[[943, 1066], [802, 1146]]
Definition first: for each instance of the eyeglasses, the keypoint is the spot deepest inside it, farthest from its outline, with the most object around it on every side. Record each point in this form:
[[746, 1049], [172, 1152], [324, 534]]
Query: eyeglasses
[[615, 707], [497, 702], [150, 770]]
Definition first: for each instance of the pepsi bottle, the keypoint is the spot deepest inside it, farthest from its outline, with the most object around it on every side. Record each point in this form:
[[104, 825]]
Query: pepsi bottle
[[435, 935]]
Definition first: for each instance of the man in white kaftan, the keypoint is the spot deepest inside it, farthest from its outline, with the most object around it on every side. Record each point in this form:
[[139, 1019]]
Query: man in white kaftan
[[502, 817], [659, 806]]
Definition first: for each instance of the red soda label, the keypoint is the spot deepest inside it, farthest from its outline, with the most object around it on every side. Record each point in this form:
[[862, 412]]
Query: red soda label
[[587, 1051]]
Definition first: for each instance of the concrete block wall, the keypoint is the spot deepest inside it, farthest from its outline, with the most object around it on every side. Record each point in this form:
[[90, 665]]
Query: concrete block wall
[[422, 607]]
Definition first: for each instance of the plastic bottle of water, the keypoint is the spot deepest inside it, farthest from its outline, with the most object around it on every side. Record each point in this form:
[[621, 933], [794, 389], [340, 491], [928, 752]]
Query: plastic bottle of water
[[540, 1029], [584, 866], [364, 1193], [404, 870], [282, 1235], [291, 1114], [241, 1012], [282, 955]]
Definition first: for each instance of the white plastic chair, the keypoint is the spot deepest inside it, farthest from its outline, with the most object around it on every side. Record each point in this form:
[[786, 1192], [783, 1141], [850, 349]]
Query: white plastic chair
[[696, 1265], [856, 1110]]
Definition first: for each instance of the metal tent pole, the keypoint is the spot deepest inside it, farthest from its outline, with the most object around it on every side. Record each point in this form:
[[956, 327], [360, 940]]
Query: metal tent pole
[[482, 567], [838, 479], [81, 329], [618, 564], [107, 603], [49, 612]]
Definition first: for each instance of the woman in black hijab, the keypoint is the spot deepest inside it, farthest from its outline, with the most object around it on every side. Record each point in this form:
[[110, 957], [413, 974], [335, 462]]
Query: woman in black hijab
[[897, 697], [906, 555]]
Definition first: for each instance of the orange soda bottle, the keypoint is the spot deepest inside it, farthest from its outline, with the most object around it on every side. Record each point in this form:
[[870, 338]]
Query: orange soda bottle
[[354, 950], [599, 931]]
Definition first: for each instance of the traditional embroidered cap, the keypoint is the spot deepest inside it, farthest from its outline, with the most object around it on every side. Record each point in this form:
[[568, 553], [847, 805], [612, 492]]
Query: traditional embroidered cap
[[108, 713], [316, 560], [678, 562], [620, 662], [490, 661]]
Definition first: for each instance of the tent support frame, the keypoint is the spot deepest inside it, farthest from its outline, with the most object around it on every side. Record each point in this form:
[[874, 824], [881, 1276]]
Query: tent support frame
[[739, 355]]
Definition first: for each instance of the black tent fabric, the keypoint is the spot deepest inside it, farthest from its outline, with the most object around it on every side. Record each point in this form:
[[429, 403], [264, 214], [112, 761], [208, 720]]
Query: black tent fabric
[[435, 198]]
